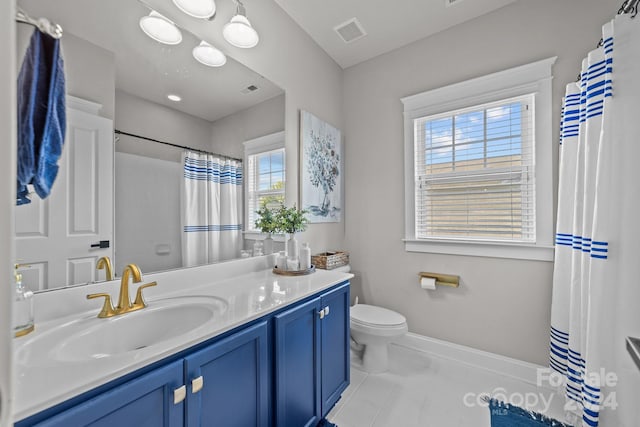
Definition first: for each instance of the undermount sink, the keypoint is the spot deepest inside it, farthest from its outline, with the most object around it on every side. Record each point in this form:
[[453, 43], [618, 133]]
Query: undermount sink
[[162, 320]]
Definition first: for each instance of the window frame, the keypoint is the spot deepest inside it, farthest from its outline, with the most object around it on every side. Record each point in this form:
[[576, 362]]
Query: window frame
[[475, 176], [257, 146], [534, 78]]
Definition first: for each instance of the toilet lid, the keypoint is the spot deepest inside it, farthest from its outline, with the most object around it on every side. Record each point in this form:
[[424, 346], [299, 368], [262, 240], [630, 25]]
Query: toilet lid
[[373, 315]]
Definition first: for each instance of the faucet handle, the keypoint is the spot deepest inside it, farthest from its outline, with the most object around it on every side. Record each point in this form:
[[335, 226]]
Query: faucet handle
[[107, 307], [139, 302]]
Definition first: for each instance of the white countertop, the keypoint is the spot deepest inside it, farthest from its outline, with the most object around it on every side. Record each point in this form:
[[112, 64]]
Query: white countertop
[[41, 381]]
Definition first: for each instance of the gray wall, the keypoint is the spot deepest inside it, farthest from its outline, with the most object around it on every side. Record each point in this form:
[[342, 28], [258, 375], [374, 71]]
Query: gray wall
[[228, 133], [502, 306], [89, 69], [90, 72], [224, 136], [141, 117]]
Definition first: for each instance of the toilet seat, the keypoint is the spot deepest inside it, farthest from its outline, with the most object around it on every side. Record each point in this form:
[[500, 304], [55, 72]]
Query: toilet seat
[[378, 317]]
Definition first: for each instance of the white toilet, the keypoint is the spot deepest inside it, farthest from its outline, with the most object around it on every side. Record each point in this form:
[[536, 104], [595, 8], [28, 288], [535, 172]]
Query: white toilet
[[375, 328]]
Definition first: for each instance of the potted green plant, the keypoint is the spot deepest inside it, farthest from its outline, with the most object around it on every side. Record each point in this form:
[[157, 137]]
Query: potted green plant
[[291, 221], [267, 224]]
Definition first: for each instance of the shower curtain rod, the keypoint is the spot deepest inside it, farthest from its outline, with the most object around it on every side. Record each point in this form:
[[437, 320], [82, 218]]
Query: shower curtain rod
[[42, 24], [629, 6], [119, 132]]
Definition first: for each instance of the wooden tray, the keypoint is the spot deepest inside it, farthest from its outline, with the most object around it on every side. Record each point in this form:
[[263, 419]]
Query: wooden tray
[[309, 270]]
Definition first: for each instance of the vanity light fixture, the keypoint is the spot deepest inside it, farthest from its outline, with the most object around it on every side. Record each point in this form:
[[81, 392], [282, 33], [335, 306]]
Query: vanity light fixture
[[239, 31], [160, 28], [209, 55], [174, 98], [204, 9]]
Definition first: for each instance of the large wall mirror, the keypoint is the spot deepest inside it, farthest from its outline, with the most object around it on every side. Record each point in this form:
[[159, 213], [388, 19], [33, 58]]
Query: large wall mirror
[[118, 182]]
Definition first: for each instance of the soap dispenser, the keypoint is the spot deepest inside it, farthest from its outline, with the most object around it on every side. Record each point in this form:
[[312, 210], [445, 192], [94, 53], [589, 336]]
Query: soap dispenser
[[305, 257], [23, 307]]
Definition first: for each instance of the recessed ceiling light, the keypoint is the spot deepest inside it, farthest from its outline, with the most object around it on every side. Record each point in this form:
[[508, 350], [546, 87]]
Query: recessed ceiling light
[[209, 55], [174, 98], [197, 8], [160, 28]]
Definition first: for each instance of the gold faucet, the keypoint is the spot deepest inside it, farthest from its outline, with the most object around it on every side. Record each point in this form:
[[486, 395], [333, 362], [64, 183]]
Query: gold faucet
[[124, 302], [104, 263]]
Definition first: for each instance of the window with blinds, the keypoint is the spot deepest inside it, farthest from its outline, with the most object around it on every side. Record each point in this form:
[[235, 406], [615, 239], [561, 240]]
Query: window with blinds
[[265, 182], [474, 173]]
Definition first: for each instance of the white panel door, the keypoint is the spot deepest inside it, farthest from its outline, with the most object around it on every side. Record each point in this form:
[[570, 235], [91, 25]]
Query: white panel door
[[54, 236]]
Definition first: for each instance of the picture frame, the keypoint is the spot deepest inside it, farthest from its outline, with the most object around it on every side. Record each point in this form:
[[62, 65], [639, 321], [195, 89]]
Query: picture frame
[[321, 169]]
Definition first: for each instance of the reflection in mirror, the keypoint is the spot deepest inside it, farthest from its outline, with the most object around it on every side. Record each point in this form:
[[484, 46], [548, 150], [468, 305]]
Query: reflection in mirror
[[120, 195]]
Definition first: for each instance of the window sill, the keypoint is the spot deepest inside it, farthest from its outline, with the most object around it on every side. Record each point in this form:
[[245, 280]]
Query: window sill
[[481, 249], [256, 235]]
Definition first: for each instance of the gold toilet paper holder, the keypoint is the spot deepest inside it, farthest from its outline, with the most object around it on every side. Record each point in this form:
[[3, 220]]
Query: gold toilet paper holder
[[442, 279]]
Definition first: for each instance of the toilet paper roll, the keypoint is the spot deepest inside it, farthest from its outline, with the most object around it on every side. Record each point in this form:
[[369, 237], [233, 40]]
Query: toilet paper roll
[[428, 283]]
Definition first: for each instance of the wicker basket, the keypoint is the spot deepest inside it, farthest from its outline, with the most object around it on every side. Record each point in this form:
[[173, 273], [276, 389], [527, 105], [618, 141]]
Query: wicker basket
[[330, 260]]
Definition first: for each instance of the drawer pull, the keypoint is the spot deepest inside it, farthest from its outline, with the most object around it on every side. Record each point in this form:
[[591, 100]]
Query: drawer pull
[[179, 394], [197, 384]]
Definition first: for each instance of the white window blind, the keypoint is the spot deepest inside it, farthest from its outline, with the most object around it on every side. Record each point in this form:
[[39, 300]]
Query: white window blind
[[474, 173], [265, 182]]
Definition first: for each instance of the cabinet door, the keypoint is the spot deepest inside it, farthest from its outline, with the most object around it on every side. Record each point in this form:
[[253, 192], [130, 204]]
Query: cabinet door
[[147, 401], [297, 355], [335, 346], [228, 382]]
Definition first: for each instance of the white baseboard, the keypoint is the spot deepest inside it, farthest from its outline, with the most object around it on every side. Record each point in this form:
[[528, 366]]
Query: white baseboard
[[524, 371]]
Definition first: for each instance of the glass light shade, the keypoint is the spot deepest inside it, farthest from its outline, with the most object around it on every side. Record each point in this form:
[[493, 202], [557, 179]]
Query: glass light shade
[[240, 33], [197, 8], [209, 55], [160, 28], [174, 98]]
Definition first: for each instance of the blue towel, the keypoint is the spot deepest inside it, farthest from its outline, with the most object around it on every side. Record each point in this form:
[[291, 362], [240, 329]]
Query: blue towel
[[41, 116]]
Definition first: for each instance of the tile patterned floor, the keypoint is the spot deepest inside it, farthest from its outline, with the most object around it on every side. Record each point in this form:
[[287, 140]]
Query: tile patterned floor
[[424, 390]]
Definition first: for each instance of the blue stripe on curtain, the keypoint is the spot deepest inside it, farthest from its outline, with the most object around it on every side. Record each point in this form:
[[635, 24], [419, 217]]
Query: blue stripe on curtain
[[212, 170], [571, 117]]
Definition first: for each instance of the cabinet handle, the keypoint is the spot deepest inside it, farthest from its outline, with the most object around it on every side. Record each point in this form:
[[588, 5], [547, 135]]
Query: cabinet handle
[[179, 394], [326, 311], [321, 314], [197, 384]]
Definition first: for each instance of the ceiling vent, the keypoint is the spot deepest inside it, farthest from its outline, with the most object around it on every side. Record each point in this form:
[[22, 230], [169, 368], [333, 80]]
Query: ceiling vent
[[350, 30], [249, 89]]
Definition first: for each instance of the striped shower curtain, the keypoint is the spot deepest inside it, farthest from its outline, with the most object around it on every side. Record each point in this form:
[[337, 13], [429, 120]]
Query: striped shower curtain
[[596, 234], [211, 209]]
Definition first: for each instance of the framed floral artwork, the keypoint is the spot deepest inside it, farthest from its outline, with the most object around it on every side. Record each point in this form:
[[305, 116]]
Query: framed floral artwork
[[321, 169]]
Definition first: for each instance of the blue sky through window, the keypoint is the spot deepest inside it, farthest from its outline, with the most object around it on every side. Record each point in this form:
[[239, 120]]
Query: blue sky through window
[[270, 170], [475, 135]]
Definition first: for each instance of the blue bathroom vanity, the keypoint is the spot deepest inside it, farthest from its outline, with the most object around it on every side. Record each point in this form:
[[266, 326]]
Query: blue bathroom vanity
[[286, 364]]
